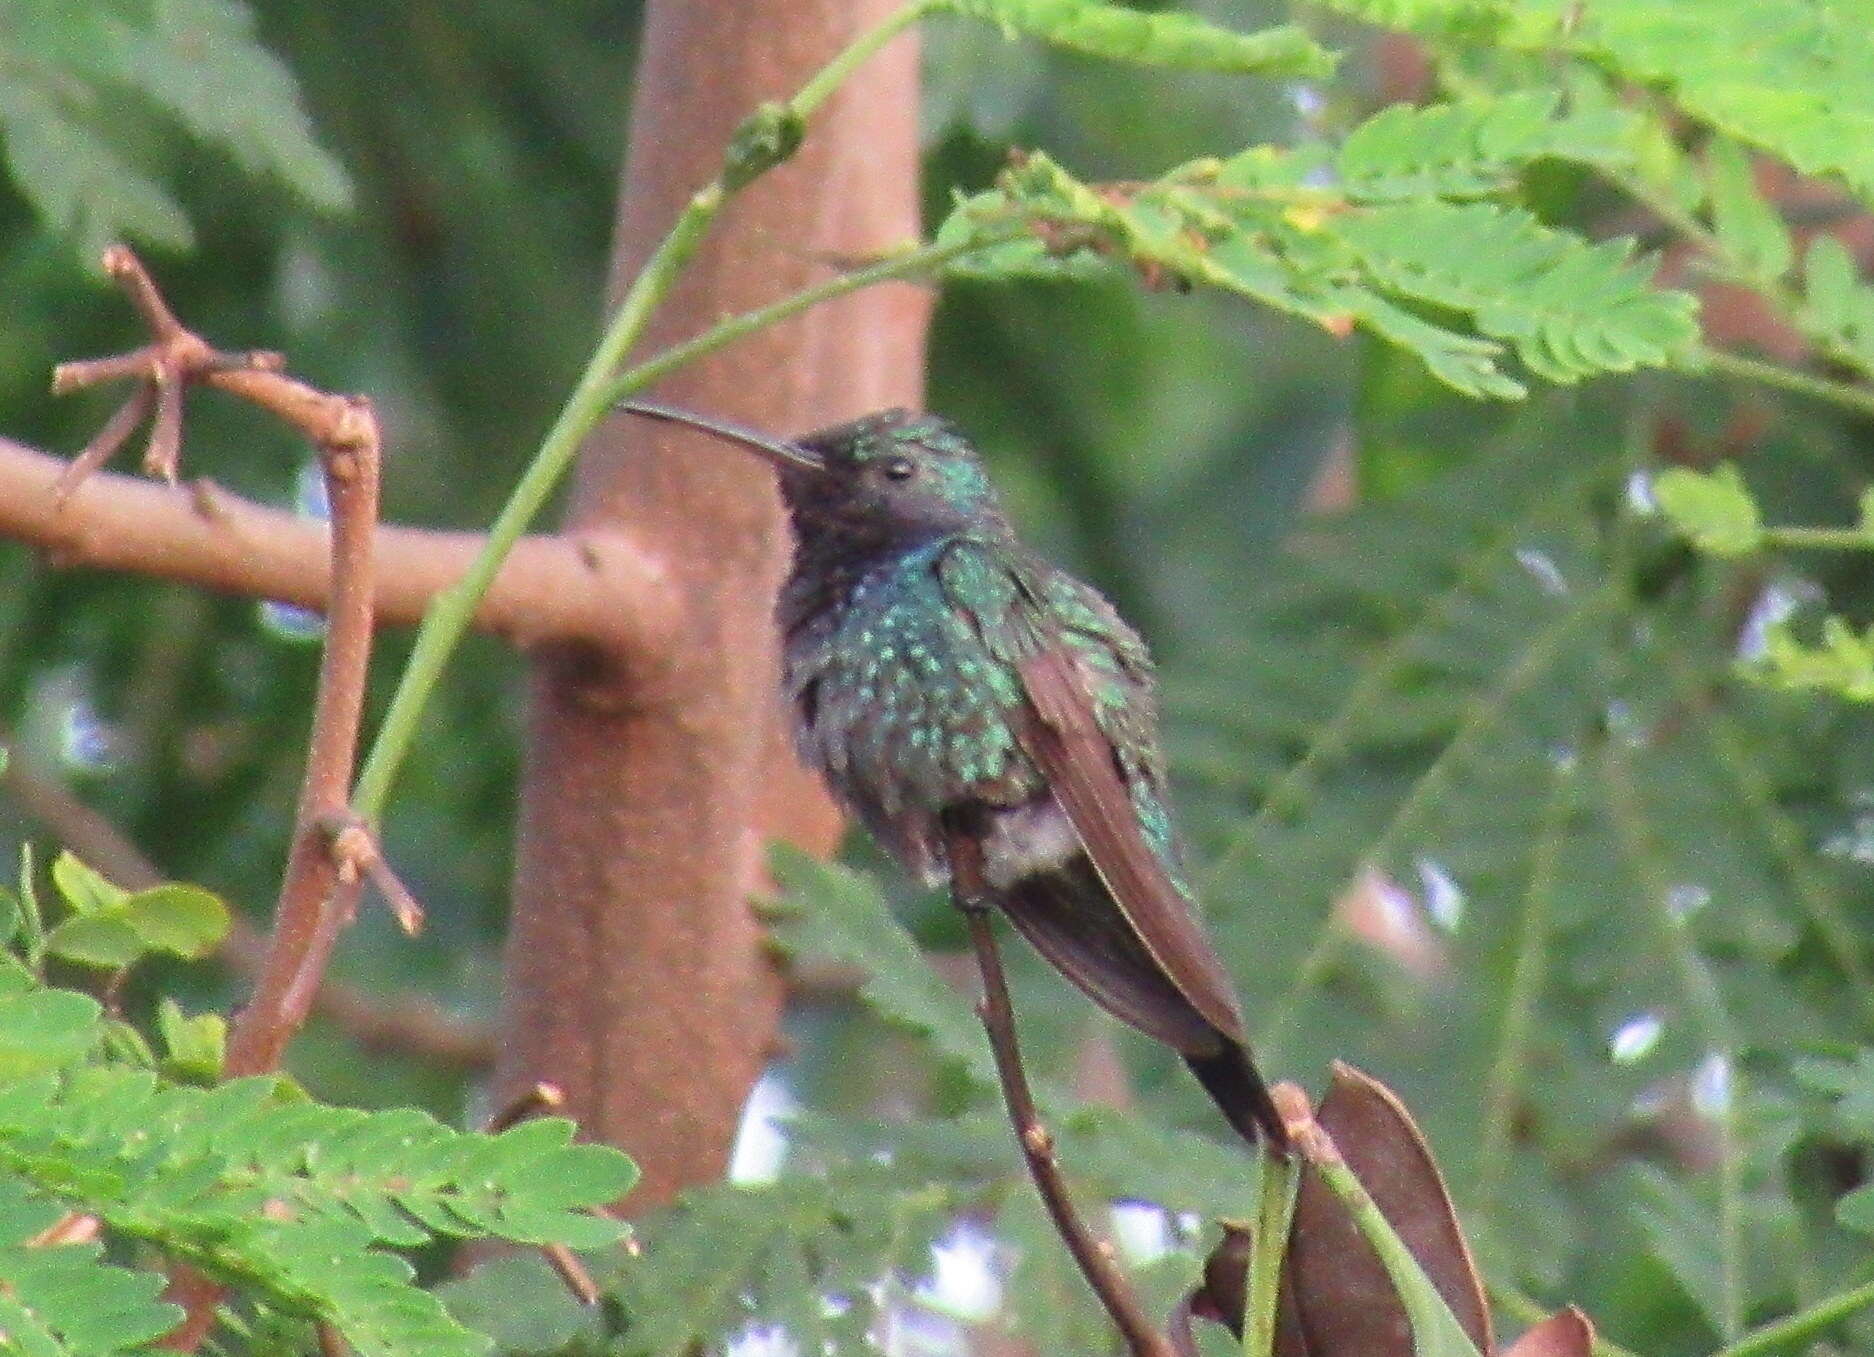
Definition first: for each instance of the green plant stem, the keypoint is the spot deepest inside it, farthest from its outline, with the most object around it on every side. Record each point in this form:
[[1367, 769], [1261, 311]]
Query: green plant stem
[[855, 54], [1806, 1324], [908, 263], [1820, 539], [1626, 817], [1431, 1318], [448, 616], [1847, 395], [1527, 979], [1281, 1178]]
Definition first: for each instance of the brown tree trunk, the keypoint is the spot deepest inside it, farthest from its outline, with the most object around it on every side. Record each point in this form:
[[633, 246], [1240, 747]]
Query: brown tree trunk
[[637, 978]]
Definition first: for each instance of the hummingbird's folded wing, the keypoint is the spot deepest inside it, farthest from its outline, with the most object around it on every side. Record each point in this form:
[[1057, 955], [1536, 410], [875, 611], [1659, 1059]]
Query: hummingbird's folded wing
[[1064, 739]]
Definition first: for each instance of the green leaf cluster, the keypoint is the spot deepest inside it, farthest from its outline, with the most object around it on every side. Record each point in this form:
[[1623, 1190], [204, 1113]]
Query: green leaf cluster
[[1169, 39], [300, 1205], [76, 81], [115, 928], [1392, 234], [1791, 80], [1715, 510]]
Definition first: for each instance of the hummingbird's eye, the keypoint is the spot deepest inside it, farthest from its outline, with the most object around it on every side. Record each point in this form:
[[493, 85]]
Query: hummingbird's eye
[[899, 469]]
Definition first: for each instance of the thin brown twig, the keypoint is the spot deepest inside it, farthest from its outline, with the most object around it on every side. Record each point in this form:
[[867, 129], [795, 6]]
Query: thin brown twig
[[163, 456], [318, 896], [104, 446], [572, 1273], [174, 357], [541, 1098], [74, 1227], [533, 1102], [315, 902], [1093, 1257], [357, 852], [128, 270]]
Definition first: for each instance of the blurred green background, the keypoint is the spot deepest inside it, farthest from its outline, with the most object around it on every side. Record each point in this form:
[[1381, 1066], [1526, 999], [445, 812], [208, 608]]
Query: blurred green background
[[1605, 909]]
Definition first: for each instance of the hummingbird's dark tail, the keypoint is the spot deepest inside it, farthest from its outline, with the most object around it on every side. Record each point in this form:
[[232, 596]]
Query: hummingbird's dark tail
[[1232, 1082]]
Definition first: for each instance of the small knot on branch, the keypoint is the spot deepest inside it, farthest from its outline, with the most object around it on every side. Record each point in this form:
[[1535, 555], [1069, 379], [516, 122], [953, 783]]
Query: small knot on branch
[[1305, 1134], [356, 854], [541, 1098]]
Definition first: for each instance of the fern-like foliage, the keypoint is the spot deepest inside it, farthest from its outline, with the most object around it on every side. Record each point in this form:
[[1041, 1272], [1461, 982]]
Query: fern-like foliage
[[72, 79], [1794, 80], [294, 1199], [1171, 39], [824, 1258], [1389, 233], [299, 1205]]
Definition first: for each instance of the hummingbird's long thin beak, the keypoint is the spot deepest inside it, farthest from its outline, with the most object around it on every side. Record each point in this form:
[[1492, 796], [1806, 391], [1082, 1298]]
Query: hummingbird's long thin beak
[[776, 449]]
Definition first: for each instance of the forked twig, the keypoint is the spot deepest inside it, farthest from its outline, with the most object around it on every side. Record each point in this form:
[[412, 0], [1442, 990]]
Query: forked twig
[[1094, 1257], [164, 368], [321, 885], [356, 849]]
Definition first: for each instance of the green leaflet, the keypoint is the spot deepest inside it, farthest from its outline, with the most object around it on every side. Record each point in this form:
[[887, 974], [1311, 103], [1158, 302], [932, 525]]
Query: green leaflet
[[292, 1200], [1795, 80], [114, 928], [1837, 305], [77, 76], [1714, 509], [1164, 39], [1257, 225]]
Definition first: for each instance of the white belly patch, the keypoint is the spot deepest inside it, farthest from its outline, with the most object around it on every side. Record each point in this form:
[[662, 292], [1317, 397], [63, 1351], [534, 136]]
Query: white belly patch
[[1025, 840]]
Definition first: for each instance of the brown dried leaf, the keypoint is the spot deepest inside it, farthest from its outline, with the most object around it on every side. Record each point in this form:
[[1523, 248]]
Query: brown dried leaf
[[1344, 1300], [1566, 1333], [1223, 1295]]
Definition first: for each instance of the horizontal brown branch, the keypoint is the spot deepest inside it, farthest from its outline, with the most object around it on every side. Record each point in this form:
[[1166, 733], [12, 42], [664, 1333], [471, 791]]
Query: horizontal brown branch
[[595, 586]]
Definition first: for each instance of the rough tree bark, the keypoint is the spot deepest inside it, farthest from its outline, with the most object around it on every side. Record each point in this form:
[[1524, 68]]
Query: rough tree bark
[[636, 975]]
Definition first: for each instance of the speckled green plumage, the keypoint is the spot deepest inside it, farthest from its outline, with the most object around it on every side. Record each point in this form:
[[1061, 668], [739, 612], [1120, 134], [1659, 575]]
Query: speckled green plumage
[[991, 720], [910, 696]]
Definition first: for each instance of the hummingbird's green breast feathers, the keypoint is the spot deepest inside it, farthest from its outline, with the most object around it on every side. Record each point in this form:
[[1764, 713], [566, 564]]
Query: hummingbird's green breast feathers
[[992, 720], [904, 707]]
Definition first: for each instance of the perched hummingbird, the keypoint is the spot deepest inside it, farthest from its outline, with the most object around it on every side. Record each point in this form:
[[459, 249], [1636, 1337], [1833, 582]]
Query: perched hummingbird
[[986, 715]]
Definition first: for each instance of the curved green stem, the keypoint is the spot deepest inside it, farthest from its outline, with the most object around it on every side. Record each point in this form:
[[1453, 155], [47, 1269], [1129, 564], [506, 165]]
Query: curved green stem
[[1505, 1086], [910, 263], [1281, 1179], [1800, 1327], [765, 140], [1847, 395], [856, 53], [1822, 539]]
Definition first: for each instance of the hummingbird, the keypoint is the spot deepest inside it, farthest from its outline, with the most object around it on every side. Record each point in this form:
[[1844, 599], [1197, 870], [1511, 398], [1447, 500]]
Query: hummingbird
[[992, 722]]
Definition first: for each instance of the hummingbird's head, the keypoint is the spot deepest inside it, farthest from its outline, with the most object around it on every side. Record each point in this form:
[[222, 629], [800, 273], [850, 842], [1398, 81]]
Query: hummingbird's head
[[883, 480], [893, 474]]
